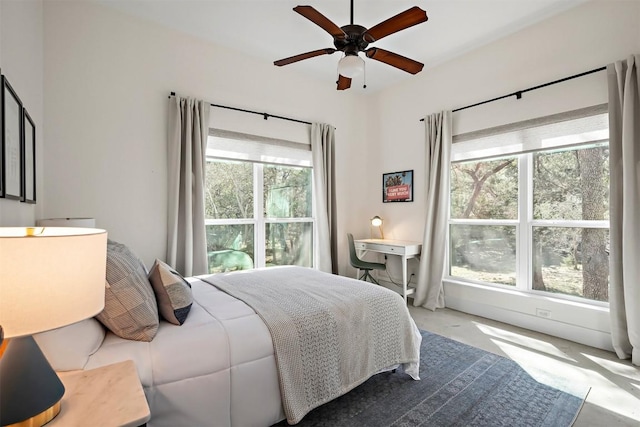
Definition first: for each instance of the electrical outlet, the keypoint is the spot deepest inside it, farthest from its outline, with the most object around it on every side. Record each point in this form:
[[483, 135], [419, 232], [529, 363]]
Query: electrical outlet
[[541, 312]]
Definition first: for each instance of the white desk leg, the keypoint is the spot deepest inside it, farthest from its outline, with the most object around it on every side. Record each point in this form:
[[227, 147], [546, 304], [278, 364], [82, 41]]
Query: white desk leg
[[404, 278]]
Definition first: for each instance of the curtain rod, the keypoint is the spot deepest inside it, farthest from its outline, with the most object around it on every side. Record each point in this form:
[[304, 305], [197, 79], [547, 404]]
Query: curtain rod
[[518, 94], [264, 115]]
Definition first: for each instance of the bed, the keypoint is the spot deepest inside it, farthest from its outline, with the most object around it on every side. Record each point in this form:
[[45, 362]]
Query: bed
[[257, 347]]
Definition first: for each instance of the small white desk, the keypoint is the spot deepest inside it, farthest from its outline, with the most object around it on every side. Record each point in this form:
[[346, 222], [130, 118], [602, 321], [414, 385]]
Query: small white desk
[[405, 249]]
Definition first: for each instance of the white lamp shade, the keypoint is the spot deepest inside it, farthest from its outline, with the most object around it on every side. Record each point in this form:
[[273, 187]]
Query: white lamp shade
[[376, 221], [50, 277], [350, 66]]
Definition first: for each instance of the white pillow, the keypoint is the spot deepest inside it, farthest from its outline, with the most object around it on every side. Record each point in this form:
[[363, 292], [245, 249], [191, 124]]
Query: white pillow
[[68, 348]]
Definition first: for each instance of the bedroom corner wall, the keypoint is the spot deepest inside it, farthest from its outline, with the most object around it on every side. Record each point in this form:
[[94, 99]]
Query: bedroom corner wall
[[21, 60], [107, 79], [583, 38]]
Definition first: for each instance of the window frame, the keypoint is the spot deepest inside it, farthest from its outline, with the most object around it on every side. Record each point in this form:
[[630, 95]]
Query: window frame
[[525, 224], [259, 220]]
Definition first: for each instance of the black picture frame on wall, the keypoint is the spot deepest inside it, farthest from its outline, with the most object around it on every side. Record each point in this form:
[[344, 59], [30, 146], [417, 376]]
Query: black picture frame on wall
[[11, 152], [28, 159], [397, 186]]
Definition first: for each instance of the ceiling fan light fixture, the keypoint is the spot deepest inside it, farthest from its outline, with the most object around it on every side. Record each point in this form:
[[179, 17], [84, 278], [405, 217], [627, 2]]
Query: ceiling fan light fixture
[[352, 39], [350, 66]]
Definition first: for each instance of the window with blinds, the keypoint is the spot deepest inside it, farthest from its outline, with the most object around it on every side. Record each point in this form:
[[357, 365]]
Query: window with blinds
[[259, 202], [530, 206]]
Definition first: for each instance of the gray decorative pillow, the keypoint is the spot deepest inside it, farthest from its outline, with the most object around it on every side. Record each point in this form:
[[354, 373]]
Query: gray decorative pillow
[[130, 308], [172, 292]]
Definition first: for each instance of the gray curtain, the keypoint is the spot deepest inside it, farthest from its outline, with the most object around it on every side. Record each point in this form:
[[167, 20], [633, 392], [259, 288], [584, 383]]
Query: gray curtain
[[322, 151], [429, 289], [187, 140], [624, 259]]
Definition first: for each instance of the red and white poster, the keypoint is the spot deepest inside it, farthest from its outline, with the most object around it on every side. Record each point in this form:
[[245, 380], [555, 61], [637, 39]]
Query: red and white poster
[[397, 186]]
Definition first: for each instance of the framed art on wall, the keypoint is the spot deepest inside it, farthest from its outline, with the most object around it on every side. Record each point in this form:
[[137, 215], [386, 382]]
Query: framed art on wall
[[11, 164], [397, 186], [28, 159]]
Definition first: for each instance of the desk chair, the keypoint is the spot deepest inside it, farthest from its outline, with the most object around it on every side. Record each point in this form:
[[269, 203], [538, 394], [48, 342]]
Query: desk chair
[[363, 265]]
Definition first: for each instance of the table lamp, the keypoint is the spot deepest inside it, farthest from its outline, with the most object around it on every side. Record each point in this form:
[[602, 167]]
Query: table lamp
[[49, 277], [376, 221]]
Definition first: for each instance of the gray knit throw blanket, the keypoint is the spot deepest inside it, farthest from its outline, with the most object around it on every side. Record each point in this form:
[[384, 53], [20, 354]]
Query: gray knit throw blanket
[[330, 333]]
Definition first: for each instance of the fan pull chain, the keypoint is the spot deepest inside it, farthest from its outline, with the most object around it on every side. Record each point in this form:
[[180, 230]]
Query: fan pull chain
[[364, 75]]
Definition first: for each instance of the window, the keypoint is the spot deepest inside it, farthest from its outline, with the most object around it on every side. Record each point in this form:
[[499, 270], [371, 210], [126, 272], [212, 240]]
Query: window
[[530, 207], [258, 214]]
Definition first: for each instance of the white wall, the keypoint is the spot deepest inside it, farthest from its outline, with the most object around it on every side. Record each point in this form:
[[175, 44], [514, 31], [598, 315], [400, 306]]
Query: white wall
[[107, 79], [580, 39], [21, 60]]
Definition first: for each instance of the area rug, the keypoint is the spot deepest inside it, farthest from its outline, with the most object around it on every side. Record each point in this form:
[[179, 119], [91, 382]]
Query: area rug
[[460, 386]]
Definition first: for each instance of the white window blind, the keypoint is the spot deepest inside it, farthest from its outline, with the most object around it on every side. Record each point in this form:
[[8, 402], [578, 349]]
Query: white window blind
[[229, 145], [588, 125]]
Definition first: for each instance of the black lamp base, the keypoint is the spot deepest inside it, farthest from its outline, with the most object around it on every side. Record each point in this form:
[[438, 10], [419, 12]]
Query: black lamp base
[[30, 387]]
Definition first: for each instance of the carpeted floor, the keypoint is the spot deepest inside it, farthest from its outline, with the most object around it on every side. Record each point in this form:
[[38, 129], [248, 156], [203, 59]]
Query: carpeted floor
[[460, 386]]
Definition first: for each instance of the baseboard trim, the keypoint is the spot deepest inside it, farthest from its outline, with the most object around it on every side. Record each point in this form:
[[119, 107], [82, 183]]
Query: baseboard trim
[[581, 323], [571, 332]]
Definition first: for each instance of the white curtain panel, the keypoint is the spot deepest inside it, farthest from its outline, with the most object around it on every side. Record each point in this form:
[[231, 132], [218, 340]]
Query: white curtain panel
[[429, 289], [323, 157], [187, 140], [624, 152]]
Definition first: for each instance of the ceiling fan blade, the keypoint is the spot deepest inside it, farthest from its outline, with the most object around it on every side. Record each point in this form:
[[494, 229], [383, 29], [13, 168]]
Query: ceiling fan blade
[[395, 60], [320, 20], [307, 55], [401, 21], [343, 82]]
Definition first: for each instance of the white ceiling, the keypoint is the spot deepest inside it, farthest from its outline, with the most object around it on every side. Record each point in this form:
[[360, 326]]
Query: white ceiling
[[271, 30]]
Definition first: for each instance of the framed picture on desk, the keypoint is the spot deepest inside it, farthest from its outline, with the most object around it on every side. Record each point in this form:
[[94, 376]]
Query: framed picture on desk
[[397, 186]]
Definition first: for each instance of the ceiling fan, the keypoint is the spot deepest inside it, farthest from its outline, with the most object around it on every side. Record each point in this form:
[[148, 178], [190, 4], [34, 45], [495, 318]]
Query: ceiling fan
[[352, 39]]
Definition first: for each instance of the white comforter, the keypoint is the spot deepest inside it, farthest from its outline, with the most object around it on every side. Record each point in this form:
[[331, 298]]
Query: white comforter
[[217, 369]]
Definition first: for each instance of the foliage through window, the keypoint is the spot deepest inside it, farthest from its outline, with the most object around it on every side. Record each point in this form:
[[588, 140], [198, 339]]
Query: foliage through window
[[537, 220], [257, 214]]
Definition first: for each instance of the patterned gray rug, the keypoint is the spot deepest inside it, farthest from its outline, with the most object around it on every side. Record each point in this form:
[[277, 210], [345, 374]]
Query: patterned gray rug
[[460, 386]]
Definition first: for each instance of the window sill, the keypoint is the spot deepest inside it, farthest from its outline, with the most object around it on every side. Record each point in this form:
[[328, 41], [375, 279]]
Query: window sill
[[584, 323], [596, 305]]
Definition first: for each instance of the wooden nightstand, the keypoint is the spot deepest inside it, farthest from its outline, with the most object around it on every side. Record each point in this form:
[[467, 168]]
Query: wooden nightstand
[[109, 396]]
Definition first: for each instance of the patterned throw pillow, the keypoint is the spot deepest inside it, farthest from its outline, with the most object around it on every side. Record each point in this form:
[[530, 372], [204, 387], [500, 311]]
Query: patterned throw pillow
[[172, 292], [130, 308]]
